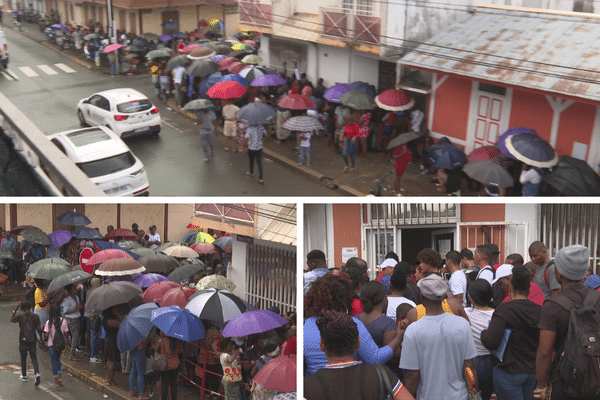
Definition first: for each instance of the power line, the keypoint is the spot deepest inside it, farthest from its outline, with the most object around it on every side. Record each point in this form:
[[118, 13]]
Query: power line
[[268, 214]]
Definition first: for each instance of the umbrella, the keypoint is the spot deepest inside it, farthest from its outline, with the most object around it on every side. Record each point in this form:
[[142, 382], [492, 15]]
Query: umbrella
[[198, 237], [73, 218], [222, 49], [488, 173], [149, 36], [186, 271], [122, 232], [218, 57], [296, 102], [112, 294], [135, 327], [36, 236], [206, 248], [215, 305], [177, 296], [69, 278], [160, 263], [574, 177], [179, 35], [60, 237], [165, 37], [394, 100], [251, 322], [239, 54], [197, 35], [202, 68], [17, 229], [403, 138], [112, 47], [278, 374], [133, 49], [5, 252], [252, 59], [165, 246], [446, 155], [170, 25], [134, 57], [191, 47], [336, 91], [60, 26], [104, 255], [251, 72], [119, 267], [104, 245], [225, 243], [217, 282], [256, 114], [91, 36], [146, 280], [208, 82], [48, 268], [180, 252], [242, 47], [484, 153], [212, 43], [144, 252], [129, 244], [303, 124], [226, 90], [235, 78], [87, 233], [227, 61], [177, 61], [357, 100], [201, 53], [158, 53], [198, 104], [252, 43], [178, 322], [156, 291], [363, 87], [268, 80], [511, 132], [532, 150], [236, 67]]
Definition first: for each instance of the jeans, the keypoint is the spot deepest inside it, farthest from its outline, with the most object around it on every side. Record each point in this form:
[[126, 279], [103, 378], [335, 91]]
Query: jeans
[[93, 338], [252, 155], [513, 386], [31, 348], [178, 94], [305, 155], [55, 360], [169, 378], [15, 273], [138, 368], [126, 361], [208, 144], [484, 376], [349, 149], [114, 70]]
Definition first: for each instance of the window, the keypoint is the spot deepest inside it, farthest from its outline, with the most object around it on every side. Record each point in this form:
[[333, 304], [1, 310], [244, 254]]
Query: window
[[110, 165], [134, 106], [486, 87]]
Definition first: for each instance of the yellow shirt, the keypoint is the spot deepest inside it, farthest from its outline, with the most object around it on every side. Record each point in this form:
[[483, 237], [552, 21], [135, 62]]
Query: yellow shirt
[[40, 295], [421, 312]]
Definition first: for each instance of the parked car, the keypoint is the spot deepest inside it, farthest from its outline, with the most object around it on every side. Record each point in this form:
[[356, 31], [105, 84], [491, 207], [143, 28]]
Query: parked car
[[125, 111], [105, 159], [3, 50]]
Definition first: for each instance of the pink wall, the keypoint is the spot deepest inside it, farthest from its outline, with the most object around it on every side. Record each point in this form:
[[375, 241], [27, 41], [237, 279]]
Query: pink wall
[[531, 110], [346, 229], [452, 108], [576, 125]]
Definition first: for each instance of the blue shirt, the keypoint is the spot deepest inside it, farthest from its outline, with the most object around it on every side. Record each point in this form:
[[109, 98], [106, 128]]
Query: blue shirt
[[206, 121], [311, 276]]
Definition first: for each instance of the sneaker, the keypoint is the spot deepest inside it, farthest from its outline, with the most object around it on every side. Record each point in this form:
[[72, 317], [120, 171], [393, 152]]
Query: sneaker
[[37, 379], [78, 350], [23, 378], [95, 360]]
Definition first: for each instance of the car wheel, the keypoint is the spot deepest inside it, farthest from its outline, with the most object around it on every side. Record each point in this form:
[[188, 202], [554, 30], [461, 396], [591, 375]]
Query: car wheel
[[155, 134], [81, 118]]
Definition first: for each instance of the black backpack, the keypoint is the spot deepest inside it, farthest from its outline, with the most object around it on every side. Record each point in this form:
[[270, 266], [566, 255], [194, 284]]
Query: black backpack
[[579, 364], [28, 330], [58, 341]]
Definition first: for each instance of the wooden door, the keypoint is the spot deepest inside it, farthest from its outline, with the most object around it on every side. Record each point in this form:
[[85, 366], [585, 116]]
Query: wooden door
[[170, 16], [489, 119], [58, 209]]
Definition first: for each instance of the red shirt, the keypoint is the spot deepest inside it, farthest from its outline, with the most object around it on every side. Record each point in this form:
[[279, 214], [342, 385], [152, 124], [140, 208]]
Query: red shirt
[[535, 295], [352, 131]]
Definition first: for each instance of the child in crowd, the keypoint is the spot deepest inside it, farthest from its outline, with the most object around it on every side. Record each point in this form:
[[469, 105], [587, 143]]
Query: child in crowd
[[304, 139]]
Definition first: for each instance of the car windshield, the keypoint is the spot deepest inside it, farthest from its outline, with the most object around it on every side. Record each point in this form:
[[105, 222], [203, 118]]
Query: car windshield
[[84, 138], [108, 165], [134, 106]]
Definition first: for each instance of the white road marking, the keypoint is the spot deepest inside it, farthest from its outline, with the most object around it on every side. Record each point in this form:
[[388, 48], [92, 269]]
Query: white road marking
[[47, 70], [28, 72], [7, 76], [177, 129], [65, 68]]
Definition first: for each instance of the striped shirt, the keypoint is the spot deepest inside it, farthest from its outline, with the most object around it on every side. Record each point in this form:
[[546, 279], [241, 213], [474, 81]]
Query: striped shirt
[[255, 134]]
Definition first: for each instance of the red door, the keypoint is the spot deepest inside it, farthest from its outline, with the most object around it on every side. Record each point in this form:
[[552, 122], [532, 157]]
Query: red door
[[489, 116]]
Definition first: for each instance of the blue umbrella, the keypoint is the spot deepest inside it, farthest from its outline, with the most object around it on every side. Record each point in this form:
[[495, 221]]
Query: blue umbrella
[[179, 35], [103, 245], [236, 78], [73, 218], [179, 323], [87, 233], [509, 133], [532, 150], [207, 83], [256, 114], [170, 25], [135, 326], [363, 87], [446, 155], [139, 42]]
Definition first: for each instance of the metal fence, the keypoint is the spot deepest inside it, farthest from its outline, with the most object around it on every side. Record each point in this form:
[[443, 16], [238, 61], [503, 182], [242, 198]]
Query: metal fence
[[271, 277], [412, 214], [510, 237]]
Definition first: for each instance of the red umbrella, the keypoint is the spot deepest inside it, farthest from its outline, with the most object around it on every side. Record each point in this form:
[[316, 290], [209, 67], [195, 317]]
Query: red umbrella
[[192, 226], [108, 254], [296, 102], [177, 296], [191, 47], [252, 43], [226, 90], [197, 35], [206, 248], [278, 374], [484, 153], [156, 291], [394, 100], [236, 67], [226, 62], [126, 234], [202, 23]]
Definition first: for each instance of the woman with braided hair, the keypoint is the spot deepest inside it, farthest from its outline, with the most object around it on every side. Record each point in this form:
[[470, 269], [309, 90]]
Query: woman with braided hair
[[334, 293], [343, 377]]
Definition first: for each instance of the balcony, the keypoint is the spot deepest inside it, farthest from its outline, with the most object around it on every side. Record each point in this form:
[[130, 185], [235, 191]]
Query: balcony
[[351, 25], [256, 14]]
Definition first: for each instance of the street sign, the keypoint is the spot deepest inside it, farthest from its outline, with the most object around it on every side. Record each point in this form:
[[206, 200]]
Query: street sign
[[84, 257]]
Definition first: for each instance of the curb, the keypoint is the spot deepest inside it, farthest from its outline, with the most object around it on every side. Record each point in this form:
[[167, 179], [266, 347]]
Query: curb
[[93, 381]]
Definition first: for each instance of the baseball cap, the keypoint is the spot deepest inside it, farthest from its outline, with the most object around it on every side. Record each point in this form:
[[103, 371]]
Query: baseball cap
[[503, 271]]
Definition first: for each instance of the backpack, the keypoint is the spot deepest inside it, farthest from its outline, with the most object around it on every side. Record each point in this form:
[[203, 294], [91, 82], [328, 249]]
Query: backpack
[[579, 364], [28, 330], [59, 341], [551, 263]]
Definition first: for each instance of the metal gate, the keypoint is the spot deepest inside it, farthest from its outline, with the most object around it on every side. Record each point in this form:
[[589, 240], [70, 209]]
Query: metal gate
[[271, 277], [510, 237]]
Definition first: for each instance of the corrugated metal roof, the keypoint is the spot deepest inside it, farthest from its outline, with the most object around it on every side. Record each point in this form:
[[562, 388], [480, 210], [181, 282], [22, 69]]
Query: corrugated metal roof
[[547, 51]]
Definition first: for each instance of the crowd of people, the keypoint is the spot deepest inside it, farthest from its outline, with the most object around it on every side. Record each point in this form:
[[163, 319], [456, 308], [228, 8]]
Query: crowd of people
[[465, 325]]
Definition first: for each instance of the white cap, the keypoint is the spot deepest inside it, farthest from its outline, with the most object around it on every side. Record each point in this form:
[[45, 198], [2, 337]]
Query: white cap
[[503, 271], [388, 262]]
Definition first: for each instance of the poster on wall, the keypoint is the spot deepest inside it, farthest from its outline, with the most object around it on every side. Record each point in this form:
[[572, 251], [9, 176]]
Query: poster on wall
[[348, 253]]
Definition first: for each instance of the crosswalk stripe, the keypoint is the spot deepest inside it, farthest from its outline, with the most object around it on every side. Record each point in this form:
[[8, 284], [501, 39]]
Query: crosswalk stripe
[[28, 72], [65, 68], [47, 70], [7, 76]]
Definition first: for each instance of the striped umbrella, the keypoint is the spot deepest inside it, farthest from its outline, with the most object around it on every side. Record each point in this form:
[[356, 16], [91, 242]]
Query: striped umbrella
[[252, 72], [303, 124], [215, 305]]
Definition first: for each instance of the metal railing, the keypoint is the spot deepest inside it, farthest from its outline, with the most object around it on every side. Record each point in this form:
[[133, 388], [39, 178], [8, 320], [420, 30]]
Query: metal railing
[[510, 237]]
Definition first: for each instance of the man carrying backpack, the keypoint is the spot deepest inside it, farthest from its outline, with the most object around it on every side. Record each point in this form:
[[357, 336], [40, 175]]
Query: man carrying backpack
[[544, 273], [29, 324], [570, 327]]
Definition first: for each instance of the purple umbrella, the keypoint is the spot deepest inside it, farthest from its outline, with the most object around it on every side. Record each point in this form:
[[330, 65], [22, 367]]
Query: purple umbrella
[[510, 132], [148, 279], [268, 80], [336, 91], [218, 57], [60, 237], [253, 322], [165, 37]]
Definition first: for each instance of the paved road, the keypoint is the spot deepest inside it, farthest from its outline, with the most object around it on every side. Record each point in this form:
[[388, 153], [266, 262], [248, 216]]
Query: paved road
[[10, 369], [49, 86]]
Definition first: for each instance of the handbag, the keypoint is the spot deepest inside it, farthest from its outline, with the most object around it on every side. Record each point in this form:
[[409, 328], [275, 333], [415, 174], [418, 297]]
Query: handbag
[[96, 323], [159, 362], [385, 387]]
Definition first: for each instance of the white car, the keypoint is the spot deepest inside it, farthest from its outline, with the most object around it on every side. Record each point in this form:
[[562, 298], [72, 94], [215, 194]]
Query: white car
[[126, 112], [105, 159], [3, 50]]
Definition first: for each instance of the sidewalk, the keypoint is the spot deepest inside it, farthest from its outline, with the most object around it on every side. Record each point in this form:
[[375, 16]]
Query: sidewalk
[[326, 166]]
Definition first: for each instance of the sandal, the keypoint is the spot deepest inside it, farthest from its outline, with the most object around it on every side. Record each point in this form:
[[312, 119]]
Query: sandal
[[132, 394], [249, 174], [226, 148], [74, 359], [145, 398], [107, 383], [56, 385], [261, 182]]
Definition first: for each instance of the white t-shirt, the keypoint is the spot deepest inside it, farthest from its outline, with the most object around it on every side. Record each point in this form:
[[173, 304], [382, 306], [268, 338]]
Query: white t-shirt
[[480, 320], [486, 273], [178, 74], [305, 139], [458, 285], [153, 238], [530, 176], [394, 302]]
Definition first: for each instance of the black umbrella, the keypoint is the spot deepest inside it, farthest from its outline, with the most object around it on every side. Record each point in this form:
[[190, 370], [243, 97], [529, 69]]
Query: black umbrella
[[129, 244], [574, 177], [202, 68], [177, 61], [87, 233], [186, 271], [112, 294], [489, 173], [159, 263], [70, 278], [73, 218], [403, 138]]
